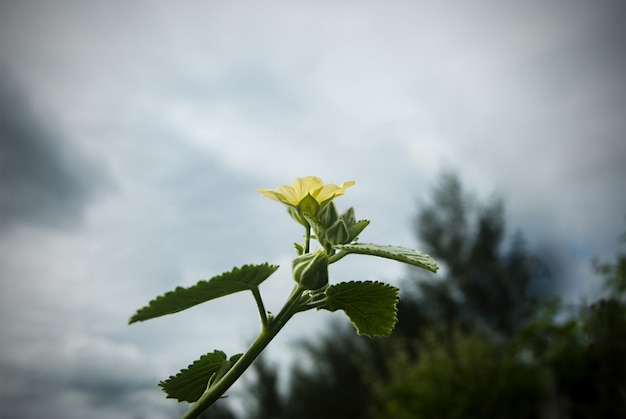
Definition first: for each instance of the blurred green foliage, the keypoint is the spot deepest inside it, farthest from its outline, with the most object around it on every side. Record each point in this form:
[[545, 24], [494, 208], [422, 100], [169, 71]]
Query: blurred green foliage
[[554, 367], [464, 375]]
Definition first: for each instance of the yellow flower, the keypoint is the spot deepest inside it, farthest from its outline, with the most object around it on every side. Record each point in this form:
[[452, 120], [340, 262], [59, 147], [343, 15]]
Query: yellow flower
[[304, 186], [306, 196]]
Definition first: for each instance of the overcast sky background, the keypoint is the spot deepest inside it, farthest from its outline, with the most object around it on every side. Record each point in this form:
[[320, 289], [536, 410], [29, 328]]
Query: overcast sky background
[[133, 136]]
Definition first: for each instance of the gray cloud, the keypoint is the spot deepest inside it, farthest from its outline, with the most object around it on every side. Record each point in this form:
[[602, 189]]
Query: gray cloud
[[42, 180], [73, 391]]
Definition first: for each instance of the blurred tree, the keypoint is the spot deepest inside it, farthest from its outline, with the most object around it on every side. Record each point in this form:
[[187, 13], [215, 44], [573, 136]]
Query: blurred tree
[[469, 376], [564, 362], [614, 273], [560, 362], [599, 390], [586, 352], [264, 395], [485, 283]]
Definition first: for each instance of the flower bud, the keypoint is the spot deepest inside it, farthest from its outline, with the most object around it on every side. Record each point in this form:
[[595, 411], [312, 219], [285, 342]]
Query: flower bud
[[310, 270], [345, 229], [308, 205], [338, 233], [327, 215], [348, 216]]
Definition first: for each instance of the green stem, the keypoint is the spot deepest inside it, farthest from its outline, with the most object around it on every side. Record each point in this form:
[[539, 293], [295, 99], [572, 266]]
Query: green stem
[[261, 307], [307, 238], [334, 258], [217, 389]]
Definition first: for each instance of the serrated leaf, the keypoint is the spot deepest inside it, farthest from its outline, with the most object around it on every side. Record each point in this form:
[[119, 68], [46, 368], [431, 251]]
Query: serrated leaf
[[370, 306], [189, 384], [239, 279], [402, 254]]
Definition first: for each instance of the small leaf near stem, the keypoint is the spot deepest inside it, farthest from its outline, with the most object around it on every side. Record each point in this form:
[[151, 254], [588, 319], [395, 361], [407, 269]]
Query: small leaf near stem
[[189, 384], [259, 302]]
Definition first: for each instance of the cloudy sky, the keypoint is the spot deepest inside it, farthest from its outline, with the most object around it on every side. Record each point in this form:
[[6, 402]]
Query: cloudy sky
[[133, 136]]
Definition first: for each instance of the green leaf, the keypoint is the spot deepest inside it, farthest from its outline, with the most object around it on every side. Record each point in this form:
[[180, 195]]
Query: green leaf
[[189, 384], [402, 254], [239, 279], [371, 306]]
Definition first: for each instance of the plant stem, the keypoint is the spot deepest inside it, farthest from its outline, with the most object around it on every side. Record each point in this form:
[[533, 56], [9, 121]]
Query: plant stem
[[334, 258], [307, 238], [259, 303], [217, 389]]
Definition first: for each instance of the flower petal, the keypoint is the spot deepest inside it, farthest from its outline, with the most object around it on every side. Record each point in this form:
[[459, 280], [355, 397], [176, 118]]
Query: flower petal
[[331, 191], [290, 195], [268, 193], [306, 185], [303, 186]]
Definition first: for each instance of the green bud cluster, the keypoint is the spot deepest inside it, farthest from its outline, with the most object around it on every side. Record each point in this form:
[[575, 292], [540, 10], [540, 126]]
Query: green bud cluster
[[330, 228], [310, 270]]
